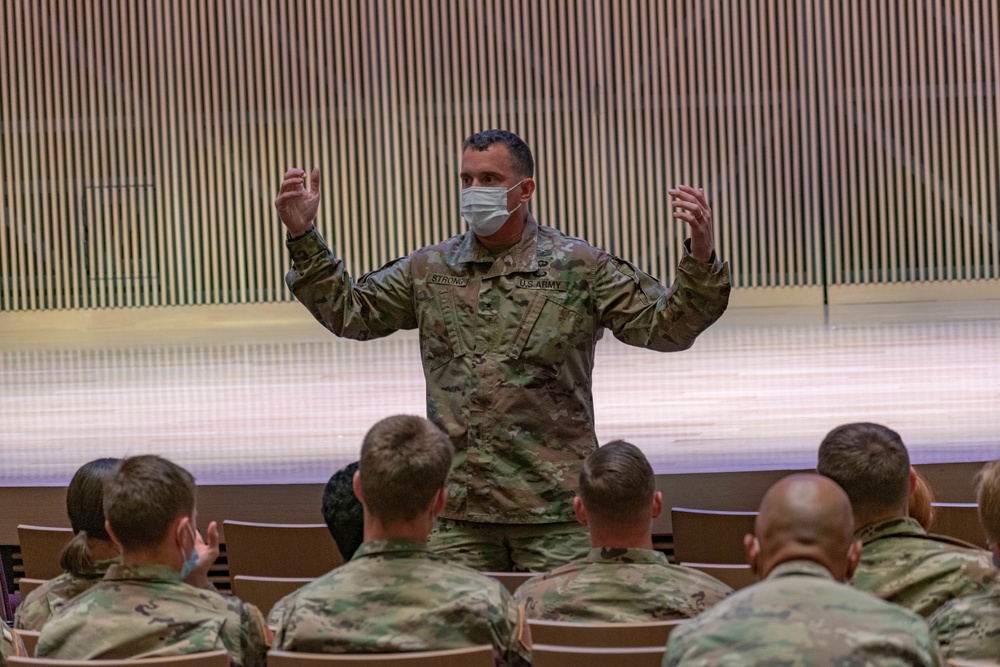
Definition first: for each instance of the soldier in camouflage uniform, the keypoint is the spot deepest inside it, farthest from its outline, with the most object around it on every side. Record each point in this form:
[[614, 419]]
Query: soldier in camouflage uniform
[[800, 613], [509, 315], [901, 562], [142, 608], [9, 644], [622, 579], [969, 627], [86, 557], [395, 595]]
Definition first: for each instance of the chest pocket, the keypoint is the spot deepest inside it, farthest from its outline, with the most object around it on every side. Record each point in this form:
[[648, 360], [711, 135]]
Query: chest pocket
[[547, 332], [440, 341]]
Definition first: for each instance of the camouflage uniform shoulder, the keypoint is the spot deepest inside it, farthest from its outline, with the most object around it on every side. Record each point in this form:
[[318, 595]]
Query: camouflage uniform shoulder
[[968, 627], [48, 598]]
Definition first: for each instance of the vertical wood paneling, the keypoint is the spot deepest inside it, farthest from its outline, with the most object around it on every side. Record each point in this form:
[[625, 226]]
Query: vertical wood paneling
[[840, 142]]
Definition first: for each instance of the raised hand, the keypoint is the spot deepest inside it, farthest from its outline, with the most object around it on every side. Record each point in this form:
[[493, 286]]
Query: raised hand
[[691, 206], [297, 206]]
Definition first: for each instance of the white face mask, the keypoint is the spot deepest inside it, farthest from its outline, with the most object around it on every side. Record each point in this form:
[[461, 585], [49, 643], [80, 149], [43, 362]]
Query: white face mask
[[485, 208]]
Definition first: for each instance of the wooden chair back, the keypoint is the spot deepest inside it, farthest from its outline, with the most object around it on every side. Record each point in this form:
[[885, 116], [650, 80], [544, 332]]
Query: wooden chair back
[[29, 638], [609, 635], [303, 550], [471, 656], [264, 592], [40, 549], [26, 585], [511, 580], [959, 662], [706, 536], [208, 659], [959, 520], [734, 576], [546, 655]]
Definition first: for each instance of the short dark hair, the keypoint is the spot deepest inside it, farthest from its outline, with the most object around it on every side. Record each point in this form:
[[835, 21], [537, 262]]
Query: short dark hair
[[342, 511], [869, 461], [85, 507], [617, 482], [520, 154], [988, 498], [405, 460], [144, 497]]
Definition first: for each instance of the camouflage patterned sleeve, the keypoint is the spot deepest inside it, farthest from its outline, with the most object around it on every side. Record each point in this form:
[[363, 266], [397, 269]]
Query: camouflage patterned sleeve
[[254, 637], [375, 305], [642, 312], [515, 630]]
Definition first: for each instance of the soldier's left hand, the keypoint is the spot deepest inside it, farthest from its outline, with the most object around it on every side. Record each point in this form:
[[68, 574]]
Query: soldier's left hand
[[691, 205], [207, 553]]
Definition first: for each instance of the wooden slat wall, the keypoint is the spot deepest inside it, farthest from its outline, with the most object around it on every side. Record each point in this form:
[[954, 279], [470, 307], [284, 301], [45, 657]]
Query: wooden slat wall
[[841, 142]]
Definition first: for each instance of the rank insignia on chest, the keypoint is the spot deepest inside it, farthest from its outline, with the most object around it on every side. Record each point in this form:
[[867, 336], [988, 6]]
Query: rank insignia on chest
[[438, 279]]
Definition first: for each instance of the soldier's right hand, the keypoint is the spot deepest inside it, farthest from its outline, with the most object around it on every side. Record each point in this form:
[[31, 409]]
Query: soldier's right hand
[[297, 206]]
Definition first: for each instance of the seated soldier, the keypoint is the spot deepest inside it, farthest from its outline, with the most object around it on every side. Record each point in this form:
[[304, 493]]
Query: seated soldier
[[969, 627], [800, 613], [86, 557], [342, 511], [395, 595], [622, 579], [142, 608], [900, 562]]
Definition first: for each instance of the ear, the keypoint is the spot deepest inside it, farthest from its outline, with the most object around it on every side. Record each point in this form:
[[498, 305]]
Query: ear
[[853, 558], [356, 484], [913, 479], [580, 510], [752, 548], [657, 504], [181, 530], [440, 499], [111, 534], [527, 189]]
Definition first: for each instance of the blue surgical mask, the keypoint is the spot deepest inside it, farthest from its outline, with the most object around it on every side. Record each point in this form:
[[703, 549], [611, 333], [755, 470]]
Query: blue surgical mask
[[192, 559], [485, 208]]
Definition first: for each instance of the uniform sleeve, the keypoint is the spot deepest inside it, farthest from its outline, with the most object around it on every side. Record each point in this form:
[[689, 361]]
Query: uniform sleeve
[[513, 629], [375, 305], [254, 637], [640, 311]]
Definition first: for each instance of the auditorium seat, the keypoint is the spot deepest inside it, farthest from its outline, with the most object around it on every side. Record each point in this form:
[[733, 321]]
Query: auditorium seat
[[218, 658], [511, 580], [40, 549], [547, 655], [959, 520], [735, 576], [264, 592], [472, 656], [25, 585], [608, 635], [707, 536], [29, 638], [303, 550]]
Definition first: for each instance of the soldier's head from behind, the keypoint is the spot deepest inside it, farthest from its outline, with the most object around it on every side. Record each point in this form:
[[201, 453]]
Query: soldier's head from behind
[[870, 462], [149, 504], [401, 477], [988, 497], [85, 507], [804, 517], [342, 511], [617, 498]]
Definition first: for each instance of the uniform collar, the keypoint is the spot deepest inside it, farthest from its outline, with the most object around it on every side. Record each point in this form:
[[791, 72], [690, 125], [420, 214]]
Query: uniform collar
[[607, 555], [518, 259], [391, 546], [799, 567], [890, 528], [156, 572]]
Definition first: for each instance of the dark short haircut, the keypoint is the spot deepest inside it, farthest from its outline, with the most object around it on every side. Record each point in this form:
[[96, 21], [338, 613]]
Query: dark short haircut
[[144, 497], [405, 460], [988, 497], [617, 483], [869, 461], [342, 511], [85, 507], [520, 154]]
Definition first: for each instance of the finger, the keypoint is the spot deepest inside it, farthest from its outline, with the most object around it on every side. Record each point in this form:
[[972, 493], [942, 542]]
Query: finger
[[213, 535], [290, 185], [697, 193], [315, 181], [692, 206]]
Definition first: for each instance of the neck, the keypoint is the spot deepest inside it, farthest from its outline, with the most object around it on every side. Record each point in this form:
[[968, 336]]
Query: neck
[[620, 537], [509, 234], [869, 516], [417, 530], [160, 555], [815, 554], [101, 549]]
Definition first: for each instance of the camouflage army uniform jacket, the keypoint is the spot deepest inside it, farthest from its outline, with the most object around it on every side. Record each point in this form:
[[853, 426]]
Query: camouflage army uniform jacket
[[620, 586], [800, 615], [397, 596], [9, 644], [507, 347], [901, 563], [45, 600], [969, 627], [148, 611]]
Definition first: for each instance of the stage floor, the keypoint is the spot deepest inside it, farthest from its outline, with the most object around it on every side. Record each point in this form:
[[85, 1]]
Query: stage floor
[[283, 401]]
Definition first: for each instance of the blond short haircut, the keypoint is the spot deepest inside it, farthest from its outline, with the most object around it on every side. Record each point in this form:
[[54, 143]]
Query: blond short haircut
[[617, 483], [143, 497], [988, 496], [405, 460]]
